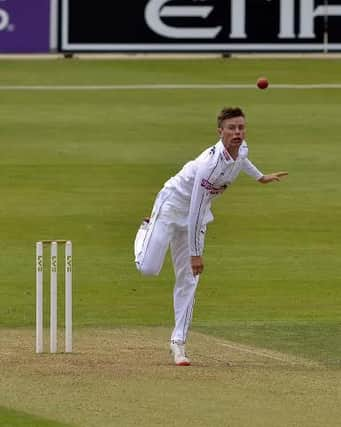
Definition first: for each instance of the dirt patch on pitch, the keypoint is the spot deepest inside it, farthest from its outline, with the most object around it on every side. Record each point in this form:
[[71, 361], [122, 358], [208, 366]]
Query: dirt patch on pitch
[[126, 377], [121, 351]]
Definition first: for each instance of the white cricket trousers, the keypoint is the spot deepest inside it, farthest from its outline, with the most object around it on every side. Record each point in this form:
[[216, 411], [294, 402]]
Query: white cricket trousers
[[151, 245]]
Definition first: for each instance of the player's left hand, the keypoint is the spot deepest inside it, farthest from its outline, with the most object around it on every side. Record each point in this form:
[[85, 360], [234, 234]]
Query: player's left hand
[[276, 176]]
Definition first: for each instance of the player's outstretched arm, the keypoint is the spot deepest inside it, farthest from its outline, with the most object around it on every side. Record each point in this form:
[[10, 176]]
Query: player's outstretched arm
[[276, 176]]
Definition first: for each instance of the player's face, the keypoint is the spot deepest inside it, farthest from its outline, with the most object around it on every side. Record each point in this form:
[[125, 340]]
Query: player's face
[[232, 132]]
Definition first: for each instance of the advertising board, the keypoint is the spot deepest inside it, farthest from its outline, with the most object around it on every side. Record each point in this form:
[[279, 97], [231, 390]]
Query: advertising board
[[201, 25]]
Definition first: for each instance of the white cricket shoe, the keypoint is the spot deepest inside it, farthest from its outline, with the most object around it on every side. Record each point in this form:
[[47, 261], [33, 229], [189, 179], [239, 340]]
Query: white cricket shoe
[[177, 349]]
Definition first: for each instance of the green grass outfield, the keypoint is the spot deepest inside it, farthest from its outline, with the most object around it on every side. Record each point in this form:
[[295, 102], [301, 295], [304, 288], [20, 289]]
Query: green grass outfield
[[86, 165]]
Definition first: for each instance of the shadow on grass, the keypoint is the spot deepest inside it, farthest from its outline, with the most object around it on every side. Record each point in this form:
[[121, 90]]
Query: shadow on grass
[[11, 418]]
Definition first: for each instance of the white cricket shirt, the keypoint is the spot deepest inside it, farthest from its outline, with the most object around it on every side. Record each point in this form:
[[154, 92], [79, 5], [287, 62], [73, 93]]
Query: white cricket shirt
[[199, 181]]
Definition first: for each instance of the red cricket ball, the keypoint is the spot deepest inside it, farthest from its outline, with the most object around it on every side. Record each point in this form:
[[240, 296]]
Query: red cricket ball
[[262, 83]]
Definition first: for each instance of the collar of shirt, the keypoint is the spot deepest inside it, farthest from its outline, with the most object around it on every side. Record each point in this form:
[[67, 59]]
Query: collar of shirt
[[242, 153]]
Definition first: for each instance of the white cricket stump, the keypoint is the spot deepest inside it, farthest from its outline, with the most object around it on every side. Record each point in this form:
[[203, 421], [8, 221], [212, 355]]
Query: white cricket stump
[[53, 298], [68, 297], [39, 297], [53, 295]]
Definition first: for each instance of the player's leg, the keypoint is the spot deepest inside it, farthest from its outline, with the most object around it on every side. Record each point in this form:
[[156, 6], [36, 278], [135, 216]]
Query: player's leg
[[151, 244], [184, 292], [152, 239], [140, 237], [185, 285]]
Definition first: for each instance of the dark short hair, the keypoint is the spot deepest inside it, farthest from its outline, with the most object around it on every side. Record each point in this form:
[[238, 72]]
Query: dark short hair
[[229, 113]]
